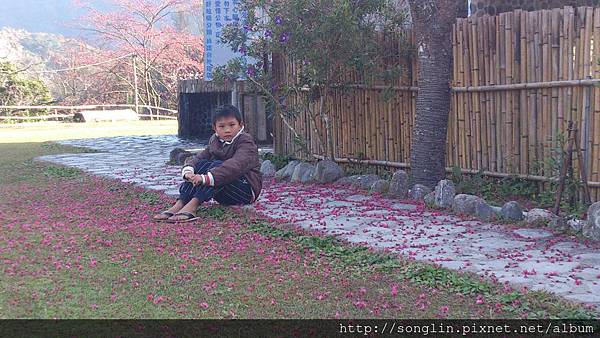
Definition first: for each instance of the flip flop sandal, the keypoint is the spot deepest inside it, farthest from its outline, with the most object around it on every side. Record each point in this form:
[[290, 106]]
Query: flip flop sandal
[[167, 213], [189, 217]]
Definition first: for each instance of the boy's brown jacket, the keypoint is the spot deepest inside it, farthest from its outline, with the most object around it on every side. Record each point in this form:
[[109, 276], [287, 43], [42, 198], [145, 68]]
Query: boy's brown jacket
[[240, 158]]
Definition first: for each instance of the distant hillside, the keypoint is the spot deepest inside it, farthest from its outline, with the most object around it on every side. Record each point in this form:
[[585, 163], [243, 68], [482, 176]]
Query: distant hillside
[[24, 48], [32, 51]]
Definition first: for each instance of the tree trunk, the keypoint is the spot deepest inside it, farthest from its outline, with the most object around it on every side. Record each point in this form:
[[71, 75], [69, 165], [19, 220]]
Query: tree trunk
[[432, 22]]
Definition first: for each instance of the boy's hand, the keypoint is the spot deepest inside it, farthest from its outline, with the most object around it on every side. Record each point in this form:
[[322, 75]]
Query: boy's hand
[[195, 179]]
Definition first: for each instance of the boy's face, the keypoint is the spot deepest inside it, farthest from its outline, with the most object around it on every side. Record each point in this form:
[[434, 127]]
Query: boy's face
[[227, 127]]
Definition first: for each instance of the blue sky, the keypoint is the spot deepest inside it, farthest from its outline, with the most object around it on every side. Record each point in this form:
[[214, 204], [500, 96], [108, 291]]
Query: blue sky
[[50, 16]]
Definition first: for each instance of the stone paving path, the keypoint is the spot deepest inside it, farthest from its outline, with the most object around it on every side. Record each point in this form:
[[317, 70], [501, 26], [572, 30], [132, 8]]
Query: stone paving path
[[534, 258]]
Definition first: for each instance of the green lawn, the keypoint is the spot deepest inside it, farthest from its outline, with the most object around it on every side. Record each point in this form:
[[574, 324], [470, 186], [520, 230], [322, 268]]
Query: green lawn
[[78, 246], [54, 131]]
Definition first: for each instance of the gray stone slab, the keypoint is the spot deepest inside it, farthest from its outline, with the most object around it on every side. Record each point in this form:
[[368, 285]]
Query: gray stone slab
[[357, 198], [571, 247], [158, 187], [584, 297], [358, 238], [403, 206], [558, 286], [493, 265], [589, 258], [590, 274], [499, 243], [533, 233], [516, 279], [454, 265], [543, 267], [316, 201]]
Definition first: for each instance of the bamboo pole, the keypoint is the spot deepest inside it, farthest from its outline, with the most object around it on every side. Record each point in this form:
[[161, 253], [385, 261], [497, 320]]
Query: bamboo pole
[[555, 61], [502, 116], [523, 116], [595, 171], [486, 111], [476, 161], [545, 72], [461, 98], [508, 78], [516, 96], [531, 119]]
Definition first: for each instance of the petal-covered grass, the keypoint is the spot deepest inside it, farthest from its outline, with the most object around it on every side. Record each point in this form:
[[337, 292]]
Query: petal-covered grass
[[78, 246]]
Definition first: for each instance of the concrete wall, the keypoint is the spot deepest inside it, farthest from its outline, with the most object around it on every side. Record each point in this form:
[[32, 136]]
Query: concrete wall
[[493, 7]]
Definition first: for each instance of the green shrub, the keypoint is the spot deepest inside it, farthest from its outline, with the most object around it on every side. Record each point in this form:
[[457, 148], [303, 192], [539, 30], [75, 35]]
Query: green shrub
[[279, 161]]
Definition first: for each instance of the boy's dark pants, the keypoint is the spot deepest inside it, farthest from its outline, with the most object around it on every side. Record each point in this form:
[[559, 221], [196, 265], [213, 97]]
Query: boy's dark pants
[[236, 192]]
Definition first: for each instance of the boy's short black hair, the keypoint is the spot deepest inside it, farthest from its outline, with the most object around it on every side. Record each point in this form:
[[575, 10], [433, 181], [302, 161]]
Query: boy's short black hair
[[227, 110]]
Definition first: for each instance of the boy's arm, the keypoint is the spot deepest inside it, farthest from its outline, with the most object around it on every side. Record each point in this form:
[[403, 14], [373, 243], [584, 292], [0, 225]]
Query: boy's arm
[[244, 159], [191, 161]]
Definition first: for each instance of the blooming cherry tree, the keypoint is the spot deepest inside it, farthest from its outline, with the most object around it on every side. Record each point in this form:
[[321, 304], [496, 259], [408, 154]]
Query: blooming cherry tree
[[144, 30]]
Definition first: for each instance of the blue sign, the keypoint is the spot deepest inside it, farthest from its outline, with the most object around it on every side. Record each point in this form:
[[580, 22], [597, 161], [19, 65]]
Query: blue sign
[[217, 14]]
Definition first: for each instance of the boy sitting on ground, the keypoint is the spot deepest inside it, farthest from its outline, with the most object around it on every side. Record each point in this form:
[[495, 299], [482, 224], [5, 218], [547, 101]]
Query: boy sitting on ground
[[228, 170]]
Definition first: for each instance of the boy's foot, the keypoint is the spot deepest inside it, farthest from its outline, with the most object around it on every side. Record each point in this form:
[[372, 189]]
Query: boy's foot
[[163, 216], [182, 216]]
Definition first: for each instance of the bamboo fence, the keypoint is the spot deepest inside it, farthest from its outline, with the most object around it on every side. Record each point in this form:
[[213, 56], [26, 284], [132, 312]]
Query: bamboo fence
[[519, 78]]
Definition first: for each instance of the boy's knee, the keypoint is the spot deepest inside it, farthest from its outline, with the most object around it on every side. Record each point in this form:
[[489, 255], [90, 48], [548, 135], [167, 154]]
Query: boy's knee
[[202, 166]]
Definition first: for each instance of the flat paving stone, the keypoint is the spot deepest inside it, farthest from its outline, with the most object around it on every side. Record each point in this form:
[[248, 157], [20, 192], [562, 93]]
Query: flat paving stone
[[357, 198], [545, 267], [454, 265], [589, 258], [374, 220], [159, 187], [403, 206], [572, 247], [533, 233], [496, 243]]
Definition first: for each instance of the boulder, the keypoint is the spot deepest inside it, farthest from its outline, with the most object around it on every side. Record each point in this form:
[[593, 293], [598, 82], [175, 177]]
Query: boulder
[[308, 176], [178, 155], [444, 194], [542, 217], [430, 198], [327, 171], [418, 191], [399, 184], [472, 205], [380, 186], [344, 181], [465, 204], [302, 172], [267, 168], [286, 172], [592, 228], [365, 181], [181, 158], [484, 211], [512, 211]]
